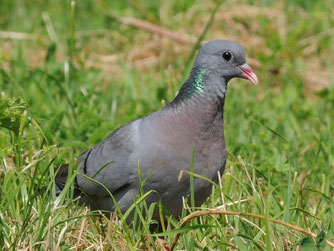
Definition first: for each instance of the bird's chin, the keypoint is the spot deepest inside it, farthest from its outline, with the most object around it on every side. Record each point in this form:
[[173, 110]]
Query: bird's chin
[[226, 79]]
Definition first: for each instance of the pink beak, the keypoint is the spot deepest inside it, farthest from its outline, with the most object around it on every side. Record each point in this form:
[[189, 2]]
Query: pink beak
[[248, 73]]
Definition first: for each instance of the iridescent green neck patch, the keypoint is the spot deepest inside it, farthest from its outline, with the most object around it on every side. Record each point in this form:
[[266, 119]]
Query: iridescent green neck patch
[[199, 84], [194, 85]]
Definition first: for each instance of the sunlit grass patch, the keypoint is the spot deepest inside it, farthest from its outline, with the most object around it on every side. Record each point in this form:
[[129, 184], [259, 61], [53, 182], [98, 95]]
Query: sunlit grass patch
[[71, 75]]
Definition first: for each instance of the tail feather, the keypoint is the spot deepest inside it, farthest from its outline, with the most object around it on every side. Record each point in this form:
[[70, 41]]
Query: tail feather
[[61, 178]]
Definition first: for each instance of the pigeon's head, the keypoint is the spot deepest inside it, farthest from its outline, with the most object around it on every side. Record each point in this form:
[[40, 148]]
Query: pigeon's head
[[226, 59]]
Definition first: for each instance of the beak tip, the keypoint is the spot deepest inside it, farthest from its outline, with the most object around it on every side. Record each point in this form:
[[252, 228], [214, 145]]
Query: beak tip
[[255, 80]]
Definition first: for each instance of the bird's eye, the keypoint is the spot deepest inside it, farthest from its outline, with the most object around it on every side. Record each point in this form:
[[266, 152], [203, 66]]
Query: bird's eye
[[227, 56]]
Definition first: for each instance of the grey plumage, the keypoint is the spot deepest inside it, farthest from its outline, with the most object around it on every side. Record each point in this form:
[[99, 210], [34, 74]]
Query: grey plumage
[[162, 142]]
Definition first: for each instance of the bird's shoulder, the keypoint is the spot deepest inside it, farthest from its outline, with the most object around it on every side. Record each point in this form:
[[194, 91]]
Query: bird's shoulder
[[121, 140]]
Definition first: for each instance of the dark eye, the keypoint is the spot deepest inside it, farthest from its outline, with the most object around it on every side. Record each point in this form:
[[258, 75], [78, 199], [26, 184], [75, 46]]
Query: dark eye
[[227, 56]]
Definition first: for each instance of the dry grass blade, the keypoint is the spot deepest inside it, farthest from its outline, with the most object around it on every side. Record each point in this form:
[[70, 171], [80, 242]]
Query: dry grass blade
[[144, 25], [81, 229], [313, 38], [223, 212], [13, 220], [20, 36], [49, 27]]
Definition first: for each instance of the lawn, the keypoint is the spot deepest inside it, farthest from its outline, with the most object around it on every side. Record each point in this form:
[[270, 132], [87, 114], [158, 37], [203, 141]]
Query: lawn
[[73, 71]]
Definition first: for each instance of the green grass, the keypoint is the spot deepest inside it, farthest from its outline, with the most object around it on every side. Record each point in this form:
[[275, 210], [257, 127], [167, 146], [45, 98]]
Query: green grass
[[66, 90]]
